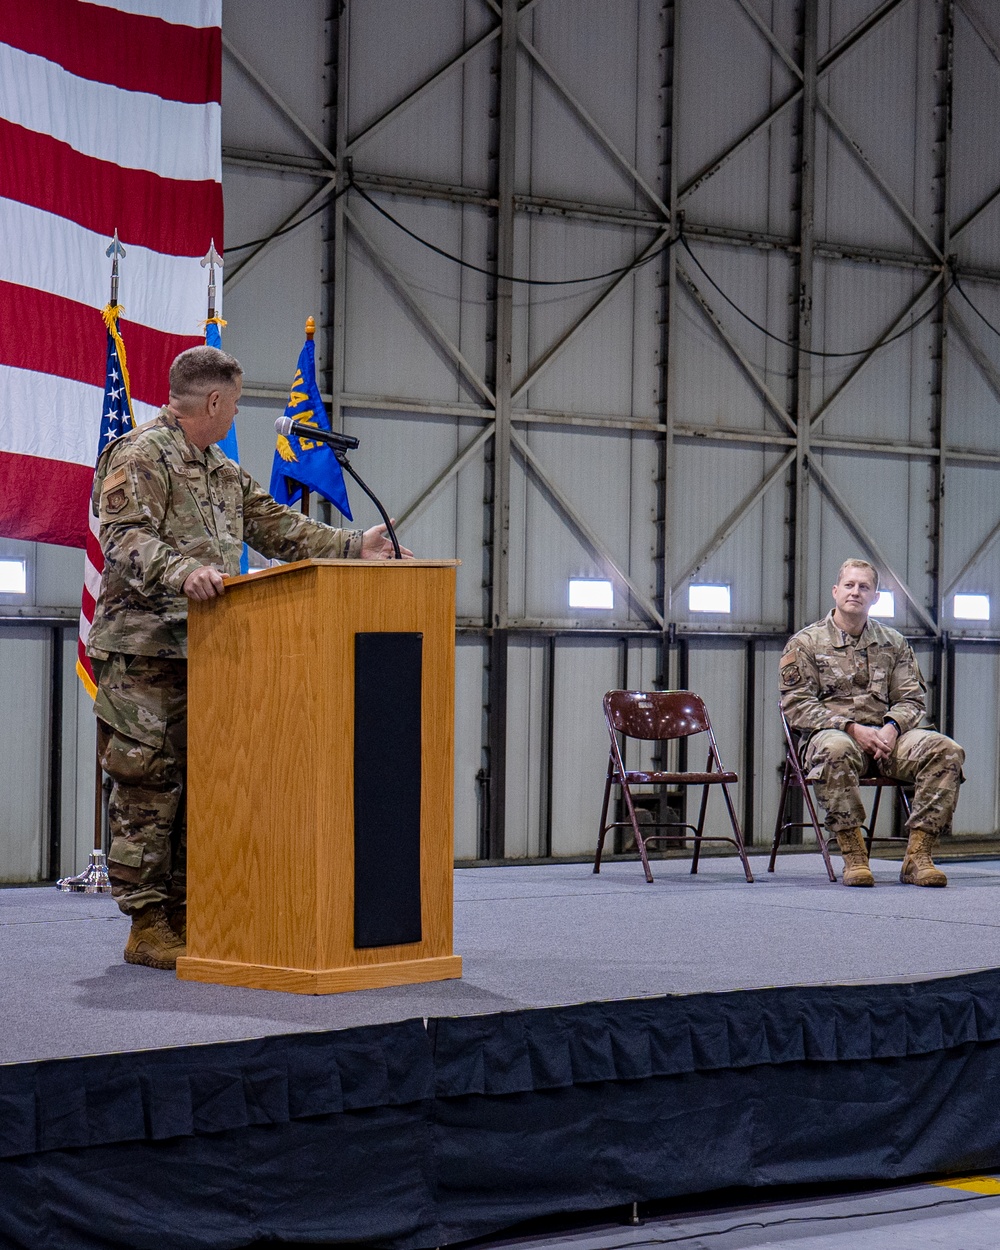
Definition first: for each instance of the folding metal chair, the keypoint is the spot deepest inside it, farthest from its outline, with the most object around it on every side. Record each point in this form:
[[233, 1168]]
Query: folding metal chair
[[793, 778], [664, 716]]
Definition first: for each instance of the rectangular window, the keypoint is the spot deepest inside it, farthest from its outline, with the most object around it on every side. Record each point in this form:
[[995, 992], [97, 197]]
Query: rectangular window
[[972, 607], [13, 577], [589, 592], [709, 599], [884, 606]]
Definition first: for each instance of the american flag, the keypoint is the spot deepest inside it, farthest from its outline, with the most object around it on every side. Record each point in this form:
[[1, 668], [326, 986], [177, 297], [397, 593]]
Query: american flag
[[110, 119], [116, 420]]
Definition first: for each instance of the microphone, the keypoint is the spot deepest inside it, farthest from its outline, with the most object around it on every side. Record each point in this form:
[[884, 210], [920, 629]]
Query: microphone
[[339, 442]]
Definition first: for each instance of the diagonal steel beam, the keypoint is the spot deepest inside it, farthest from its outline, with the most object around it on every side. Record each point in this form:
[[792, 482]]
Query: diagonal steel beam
[[771, 38], [772, 401], [847, 515], [826, 63], [977, 24], [988, 542], [875, 18], [641, 600], [717, 162], [733, 521], [824, 408], [240, 271], [608, 143], [422, 315], [278, 102], [413, 96], [976, 212], [423, 501], [991, 375], [543, 363], [877, 178]]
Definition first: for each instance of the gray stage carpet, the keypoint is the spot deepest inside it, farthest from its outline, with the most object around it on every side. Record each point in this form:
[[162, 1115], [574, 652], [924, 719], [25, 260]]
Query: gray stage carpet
[[530, 936]]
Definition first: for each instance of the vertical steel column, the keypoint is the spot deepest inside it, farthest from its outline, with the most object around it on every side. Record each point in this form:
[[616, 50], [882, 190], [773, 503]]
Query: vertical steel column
[[57, 636], [749, 769], [945, 39], [803, 388], [503, 385], [670, 13], [335, 310]]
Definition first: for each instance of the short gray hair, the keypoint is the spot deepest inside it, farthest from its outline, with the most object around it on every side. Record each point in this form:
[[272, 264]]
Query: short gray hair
[[855, 563], [202, 369]]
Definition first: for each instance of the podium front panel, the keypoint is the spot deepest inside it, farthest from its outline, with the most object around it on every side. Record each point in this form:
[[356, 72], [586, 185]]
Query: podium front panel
[[271, 775]]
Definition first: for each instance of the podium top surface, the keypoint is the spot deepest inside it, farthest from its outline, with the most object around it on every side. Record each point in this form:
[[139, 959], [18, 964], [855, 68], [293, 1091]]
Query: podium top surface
[[244, 579]]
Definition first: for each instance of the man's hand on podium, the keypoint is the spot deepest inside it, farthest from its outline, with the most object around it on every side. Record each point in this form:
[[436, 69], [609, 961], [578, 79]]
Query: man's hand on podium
[[376, 545], [204, 583]]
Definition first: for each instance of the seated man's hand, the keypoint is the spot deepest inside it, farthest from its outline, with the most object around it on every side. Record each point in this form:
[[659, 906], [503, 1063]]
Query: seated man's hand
[[377, 545], [876, 742], [204, 583]]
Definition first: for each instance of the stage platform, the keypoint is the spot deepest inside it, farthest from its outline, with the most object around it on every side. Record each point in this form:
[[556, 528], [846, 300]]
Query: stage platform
[[610, 1041]]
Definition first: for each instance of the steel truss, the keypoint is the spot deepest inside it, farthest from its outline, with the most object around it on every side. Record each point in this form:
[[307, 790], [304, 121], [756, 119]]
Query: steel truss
[[796, 428]]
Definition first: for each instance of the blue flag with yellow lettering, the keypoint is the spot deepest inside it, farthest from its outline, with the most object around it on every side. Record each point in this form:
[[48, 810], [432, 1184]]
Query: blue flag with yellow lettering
[[301, 462], [227, 445]]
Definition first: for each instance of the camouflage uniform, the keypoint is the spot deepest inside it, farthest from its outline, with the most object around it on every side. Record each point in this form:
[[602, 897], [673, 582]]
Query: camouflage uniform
[[829, 680], [166, 509]]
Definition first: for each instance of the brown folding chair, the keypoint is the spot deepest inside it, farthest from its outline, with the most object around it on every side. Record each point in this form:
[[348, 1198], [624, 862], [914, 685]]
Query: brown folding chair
[[663, 716], [793, 778]]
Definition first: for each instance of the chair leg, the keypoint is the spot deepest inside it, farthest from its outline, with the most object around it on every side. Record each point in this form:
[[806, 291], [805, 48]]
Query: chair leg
[[874, 820], [820, 836], [639, 840], [779, 824], [602, 832], [699, 829], [737, 833]]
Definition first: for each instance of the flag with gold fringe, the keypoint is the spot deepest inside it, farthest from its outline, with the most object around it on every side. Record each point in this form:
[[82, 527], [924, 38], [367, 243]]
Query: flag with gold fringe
[[301, 462], [116, 420]]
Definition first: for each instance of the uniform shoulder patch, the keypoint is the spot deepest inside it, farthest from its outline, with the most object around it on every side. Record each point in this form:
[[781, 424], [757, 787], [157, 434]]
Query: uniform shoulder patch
[[790, 675], [116, 492]]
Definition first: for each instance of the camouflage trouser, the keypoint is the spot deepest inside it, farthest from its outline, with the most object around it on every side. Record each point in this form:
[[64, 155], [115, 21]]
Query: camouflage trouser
[[929, 761], [141, 707]]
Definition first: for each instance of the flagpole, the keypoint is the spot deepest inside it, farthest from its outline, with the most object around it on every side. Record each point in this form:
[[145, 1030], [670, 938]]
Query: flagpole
[[310, 335], [94, 879]]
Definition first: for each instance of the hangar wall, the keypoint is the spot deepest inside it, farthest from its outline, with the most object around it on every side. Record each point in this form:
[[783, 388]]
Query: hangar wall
[[790, 354]]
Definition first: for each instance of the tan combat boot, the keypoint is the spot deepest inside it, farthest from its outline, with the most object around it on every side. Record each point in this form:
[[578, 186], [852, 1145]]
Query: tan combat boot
[[852, 847], [177, 919], [151, 941], [918, 867]]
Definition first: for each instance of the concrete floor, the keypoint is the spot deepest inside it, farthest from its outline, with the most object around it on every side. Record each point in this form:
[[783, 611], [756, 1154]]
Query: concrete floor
[[953, 1214]]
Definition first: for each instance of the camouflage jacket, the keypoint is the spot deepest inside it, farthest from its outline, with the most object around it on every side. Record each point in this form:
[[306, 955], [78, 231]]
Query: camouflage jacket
[[166, 509], [829, 679]]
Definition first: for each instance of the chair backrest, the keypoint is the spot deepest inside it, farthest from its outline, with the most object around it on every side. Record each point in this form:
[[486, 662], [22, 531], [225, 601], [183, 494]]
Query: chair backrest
[[655, 714], [791, 735]]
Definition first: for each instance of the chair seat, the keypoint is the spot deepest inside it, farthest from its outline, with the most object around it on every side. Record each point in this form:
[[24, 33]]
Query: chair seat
[[680, 779]]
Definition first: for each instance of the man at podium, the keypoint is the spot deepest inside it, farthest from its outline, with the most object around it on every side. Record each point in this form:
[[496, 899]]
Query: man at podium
[[174, 514]]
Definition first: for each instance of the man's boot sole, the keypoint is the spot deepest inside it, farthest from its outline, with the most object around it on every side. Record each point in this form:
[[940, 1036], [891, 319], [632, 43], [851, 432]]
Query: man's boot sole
[[932, 885], [147, 961]]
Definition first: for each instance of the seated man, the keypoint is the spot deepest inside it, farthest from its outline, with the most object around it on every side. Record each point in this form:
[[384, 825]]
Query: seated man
[[853, 690]]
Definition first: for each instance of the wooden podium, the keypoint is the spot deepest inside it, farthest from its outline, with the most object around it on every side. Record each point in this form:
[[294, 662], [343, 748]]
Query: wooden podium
[[320, 778]]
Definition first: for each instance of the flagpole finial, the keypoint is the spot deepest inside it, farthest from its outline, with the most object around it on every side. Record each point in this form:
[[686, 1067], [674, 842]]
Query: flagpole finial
[[114, 250], [211, 259], [310, 328]]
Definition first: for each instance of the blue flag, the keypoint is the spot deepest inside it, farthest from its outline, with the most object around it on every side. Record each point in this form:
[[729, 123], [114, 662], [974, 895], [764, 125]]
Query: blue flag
[[227, 445], [300, 462]]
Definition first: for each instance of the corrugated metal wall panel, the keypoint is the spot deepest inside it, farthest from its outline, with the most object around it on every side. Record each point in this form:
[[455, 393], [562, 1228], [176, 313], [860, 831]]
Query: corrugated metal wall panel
[[24, 696], [470, 660], [527, 748], [585, 670], [976, 727]]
